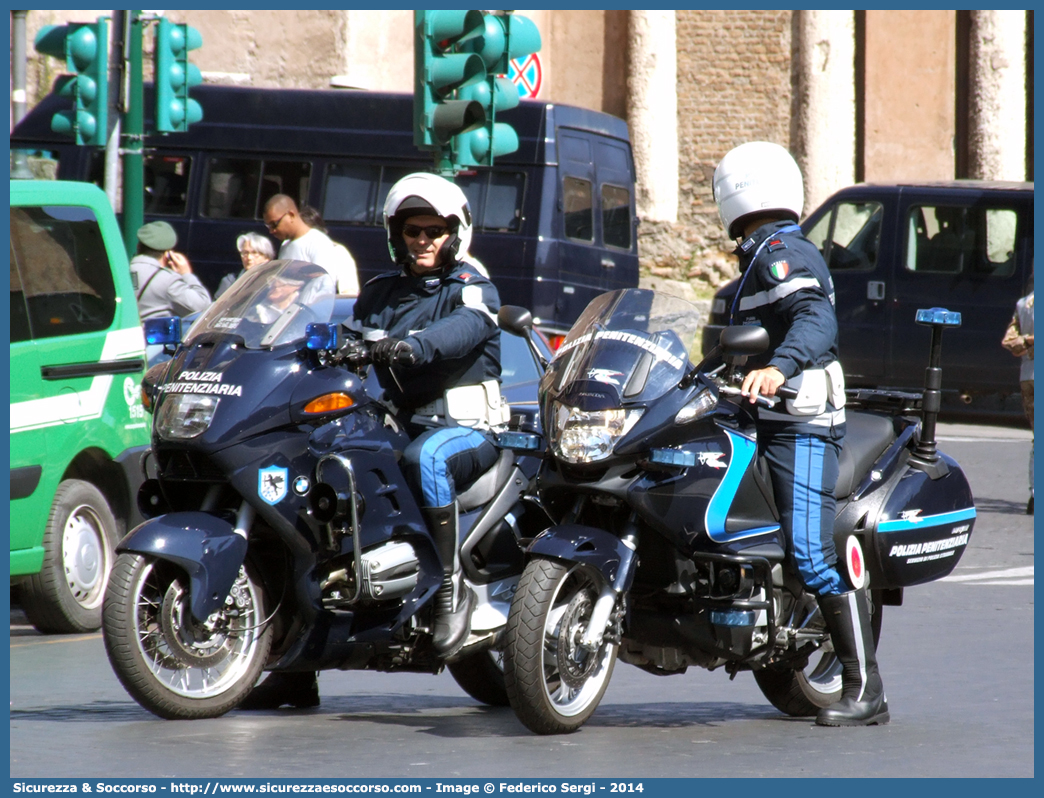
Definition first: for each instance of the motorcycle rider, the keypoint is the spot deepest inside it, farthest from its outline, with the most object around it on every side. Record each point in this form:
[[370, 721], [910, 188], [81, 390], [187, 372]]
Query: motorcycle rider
[[786, 288], [436, 351]]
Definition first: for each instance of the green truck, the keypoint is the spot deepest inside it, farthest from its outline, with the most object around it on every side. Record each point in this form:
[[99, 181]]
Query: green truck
[[78, 427]]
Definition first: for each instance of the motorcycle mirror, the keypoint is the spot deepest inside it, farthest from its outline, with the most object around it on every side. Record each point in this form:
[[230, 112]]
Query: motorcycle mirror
[[744, 340], [515, 320]]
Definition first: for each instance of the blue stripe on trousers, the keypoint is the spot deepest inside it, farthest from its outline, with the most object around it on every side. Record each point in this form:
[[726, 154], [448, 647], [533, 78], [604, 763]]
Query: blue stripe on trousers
[[807, 534], [437, 449]]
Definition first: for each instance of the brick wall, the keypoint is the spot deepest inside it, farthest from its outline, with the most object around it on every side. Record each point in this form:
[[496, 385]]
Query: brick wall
[[734, 85]]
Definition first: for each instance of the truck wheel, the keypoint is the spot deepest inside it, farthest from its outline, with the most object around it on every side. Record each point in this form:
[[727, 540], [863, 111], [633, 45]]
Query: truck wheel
[[79, 543]]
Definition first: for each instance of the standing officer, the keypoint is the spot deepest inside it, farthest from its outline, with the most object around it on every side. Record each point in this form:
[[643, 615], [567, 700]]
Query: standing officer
[[163, 280], [786, 289]]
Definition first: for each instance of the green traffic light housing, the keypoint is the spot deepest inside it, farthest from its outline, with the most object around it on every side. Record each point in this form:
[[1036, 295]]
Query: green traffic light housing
[[439, 71], [84, 47], [505, 37], [175, 76]]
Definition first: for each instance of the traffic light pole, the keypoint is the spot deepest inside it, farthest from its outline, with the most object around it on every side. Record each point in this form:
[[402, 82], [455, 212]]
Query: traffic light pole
[[133, 135]]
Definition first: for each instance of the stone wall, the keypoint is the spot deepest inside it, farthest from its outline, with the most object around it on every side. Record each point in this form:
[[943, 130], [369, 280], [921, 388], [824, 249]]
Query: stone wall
[[734, 85]]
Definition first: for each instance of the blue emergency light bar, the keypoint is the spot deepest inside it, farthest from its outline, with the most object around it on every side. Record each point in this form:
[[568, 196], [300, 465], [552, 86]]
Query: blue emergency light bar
[[322, 336], [947, 318], [166, 330]]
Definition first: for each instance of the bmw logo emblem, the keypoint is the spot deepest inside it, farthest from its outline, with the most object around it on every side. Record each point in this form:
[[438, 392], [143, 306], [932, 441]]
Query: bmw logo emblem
[[302, 486]]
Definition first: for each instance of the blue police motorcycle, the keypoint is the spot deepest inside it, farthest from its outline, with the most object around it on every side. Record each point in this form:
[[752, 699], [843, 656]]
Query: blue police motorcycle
[[281, 532], [666, 550]]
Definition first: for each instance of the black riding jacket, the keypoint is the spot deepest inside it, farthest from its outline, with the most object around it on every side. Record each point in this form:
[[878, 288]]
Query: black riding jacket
[[449, 320]]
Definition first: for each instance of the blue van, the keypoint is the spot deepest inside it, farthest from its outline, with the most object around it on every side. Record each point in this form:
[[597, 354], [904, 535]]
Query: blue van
[[965, 245], [555, 221]]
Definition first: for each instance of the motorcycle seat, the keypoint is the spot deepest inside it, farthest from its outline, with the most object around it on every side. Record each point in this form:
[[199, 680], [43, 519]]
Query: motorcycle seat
[[867, 436], [489, 484]]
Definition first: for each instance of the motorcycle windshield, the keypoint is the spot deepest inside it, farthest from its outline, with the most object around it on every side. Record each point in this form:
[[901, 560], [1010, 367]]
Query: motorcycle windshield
[[271, 304], [628, 346]]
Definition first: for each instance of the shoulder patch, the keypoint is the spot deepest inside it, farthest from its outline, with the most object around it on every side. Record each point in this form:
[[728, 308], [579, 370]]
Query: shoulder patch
[[776, 244], [780, 269], [466, 277]]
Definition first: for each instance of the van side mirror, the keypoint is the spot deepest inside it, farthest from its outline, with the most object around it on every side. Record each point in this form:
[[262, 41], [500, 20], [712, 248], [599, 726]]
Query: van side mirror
[[515, 320]]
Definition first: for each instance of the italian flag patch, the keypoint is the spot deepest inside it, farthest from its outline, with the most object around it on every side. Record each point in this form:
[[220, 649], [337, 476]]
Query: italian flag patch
[[780, 269]]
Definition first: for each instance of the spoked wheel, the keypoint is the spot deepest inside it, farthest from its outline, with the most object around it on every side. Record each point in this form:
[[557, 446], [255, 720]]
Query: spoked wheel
[[801, 693], [481, 676], [554, 684], [173, 665]]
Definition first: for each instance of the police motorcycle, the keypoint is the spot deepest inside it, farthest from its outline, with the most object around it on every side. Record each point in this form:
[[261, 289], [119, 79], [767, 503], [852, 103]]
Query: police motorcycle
[[667, 551], [281, 534]]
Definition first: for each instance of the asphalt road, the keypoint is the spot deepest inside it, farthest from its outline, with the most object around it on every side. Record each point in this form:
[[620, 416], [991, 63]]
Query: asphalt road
[[957, 660]]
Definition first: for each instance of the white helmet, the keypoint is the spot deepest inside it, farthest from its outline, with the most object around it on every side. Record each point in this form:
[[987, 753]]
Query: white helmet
[[422, 194], [755, 178]]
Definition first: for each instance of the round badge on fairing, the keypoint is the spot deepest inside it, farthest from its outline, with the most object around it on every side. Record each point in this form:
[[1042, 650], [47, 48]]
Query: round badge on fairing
[[855, 563]]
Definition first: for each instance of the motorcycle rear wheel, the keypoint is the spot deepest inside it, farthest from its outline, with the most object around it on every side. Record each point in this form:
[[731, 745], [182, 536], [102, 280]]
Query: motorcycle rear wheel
[[553, 684], [170, 663], [802, 693], [481, 676]]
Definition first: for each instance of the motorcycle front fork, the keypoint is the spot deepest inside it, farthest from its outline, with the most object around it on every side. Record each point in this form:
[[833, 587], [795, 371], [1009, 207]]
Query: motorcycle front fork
[[244, 515], [611, 594]]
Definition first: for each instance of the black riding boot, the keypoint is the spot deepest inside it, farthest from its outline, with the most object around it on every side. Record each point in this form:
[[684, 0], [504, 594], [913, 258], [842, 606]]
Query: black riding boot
[[453, 602], [298, 689], [863, 701]]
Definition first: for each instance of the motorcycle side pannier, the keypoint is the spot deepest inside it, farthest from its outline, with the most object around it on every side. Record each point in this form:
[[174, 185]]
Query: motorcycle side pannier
[[911, 530]]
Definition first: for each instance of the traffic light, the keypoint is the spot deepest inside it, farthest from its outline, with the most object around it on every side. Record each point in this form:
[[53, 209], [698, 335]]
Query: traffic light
[[84, 46], [175, 75], [439, 71], [505, 37]]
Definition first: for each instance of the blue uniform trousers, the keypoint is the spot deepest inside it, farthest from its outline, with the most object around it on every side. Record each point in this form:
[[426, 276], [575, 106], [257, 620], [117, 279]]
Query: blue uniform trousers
[[804, 471], [441, 461]]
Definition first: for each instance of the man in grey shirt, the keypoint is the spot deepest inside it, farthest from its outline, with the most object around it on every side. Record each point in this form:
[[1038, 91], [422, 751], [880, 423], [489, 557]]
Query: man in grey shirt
[[163, 280]]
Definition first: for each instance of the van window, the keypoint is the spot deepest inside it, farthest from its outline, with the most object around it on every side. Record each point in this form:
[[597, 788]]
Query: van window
[[848, 237], [616, 216], [350, 192], [64, 270], [238, 188], [577, 208], [960, 240], [166, 184], [495, 198], [612, 157], [574, 148]]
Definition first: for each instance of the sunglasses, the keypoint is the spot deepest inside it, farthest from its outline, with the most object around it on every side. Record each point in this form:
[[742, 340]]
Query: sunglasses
[[275, 224], [432, 232]]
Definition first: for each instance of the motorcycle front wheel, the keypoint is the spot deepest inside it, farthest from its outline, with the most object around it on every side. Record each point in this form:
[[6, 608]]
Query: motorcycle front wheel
[[803, 692], [553, 683], [170, 663]]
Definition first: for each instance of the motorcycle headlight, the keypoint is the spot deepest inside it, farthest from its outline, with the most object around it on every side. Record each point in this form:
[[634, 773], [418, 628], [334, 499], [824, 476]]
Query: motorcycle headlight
[[699, 406], [585, 436], [185, 415]]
